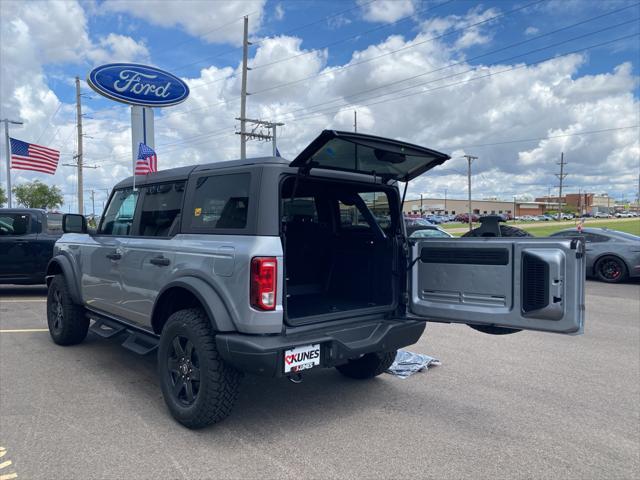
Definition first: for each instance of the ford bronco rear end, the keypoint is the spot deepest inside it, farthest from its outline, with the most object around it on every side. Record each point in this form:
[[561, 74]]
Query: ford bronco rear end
[[273, 268]]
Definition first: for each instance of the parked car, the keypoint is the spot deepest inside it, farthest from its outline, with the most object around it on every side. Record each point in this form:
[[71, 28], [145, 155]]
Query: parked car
[[245, 266], [428, 231], [601, 215], [27, 236], [415, 223], [612, 256], [623, 215]]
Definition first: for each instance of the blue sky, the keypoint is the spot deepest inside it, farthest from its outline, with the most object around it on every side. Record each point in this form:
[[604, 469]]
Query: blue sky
[[459, 75]]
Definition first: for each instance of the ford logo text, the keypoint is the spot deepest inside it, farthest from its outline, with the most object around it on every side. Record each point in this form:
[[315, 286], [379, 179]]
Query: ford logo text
[[138, 85]]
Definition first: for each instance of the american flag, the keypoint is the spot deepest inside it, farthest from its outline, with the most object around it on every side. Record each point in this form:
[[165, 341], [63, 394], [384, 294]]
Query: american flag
[[147, 160], [29, 156]]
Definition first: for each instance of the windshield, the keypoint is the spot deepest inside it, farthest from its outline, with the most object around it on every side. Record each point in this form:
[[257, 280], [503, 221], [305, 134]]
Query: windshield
[[429, 233], [625, 235]]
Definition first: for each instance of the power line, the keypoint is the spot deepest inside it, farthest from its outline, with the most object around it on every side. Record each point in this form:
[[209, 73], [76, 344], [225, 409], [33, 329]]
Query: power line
[[525, 65], [467, 61]]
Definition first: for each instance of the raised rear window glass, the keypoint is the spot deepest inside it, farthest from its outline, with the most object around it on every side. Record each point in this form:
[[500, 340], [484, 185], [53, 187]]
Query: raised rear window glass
[[220, 202]]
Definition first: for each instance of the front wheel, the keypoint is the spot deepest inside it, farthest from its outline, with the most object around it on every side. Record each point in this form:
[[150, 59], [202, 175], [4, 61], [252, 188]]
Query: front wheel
[[368, 366], [611, 269], [197, 385], [67, 321]]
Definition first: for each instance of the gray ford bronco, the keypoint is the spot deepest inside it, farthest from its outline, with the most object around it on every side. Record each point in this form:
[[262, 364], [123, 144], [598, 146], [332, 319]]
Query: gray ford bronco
[[275, 267]]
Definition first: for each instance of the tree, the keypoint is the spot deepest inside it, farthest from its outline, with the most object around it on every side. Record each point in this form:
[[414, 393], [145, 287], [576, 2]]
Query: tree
[[3, 197], [38, 195]]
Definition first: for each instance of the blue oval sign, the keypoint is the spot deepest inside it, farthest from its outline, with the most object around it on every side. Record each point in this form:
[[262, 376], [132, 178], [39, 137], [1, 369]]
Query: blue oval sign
[[138, 85]]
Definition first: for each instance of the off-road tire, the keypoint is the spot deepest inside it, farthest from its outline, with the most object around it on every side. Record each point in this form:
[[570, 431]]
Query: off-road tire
[[368, 366], [217, 386], [67, 321], [615, 274], [505, 231]]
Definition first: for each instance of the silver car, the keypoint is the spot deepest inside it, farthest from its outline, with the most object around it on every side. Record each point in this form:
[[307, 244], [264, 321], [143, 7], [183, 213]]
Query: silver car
[[275, 267], [612, 256]]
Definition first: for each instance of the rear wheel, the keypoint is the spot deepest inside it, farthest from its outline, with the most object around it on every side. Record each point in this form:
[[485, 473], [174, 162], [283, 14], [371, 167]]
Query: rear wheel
[[67, 321], [611, 269], [198, 386], [505, 231], [368, 366]]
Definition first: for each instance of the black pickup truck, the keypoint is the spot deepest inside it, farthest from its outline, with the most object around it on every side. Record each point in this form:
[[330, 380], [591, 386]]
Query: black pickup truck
[[27, 236]]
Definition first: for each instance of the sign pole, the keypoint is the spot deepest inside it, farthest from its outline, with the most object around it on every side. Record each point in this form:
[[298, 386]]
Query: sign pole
[[8, 144]]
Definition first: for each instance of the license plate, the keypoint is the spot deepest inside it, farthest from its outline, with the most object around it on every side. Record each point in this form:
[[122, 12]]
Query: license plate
[[301, 358]]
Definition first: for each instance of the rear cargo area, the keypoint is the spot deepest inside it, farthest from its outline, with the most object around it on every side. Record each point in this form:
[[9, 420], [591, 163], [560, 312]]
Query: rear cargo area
[[339, 249]]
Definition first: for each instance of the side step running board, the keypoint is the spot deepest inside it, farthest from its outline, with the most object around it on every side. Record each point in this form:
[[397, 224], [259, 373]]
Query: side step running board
[[138, 342], [106, 328]]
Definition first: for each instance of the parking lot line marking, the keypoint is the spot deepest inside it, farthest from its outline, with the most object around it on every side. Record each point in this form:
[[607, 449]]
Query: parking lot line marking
[[32, 300], [24, 330], [5, 464]]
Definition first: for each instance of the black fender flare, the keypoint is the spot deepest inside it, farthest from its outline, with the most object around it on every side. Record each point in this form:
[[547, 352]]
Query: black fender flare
[[69, 274], [211, 301]]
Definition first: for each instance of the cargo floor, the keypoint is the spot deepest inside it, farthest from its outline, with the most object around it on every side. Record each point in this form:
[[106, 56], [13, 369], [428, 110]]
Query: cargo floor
[[321, 303]]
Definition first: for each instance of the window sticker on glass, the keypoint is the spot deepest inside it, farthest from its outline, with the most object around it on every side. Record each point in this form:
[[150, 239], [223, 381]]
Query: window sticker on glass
[[197, 212]]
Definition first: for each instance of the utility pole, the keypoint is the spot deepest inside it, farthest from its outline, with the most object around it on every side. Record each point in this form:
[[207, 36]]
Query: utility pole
[[355, 121], [514, 208], [445, 202], [561, 176], [79, 156], [420, 204], [470, 158], [243, 94], [6, 122], [93, 202], [80, 166], [256, 135]]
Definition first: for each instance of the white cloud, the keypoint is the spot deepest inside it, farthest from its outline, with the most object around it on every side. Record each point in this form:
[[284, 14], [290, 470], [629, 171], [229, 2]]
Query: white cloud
[[118, 48], [475, 27], [552, 99], [531, 30], [279, 11], [214, 22], [386, 11]]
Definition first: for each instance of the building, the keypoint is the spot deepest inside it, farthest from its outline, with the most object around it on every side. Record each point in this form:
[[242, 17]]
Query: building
[[450, 206], [581, 202]]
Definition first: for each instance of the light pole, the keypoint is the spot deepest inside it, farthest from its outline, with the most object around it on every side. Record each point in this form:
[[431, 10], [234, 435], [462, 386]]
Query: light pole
[[8, 150]]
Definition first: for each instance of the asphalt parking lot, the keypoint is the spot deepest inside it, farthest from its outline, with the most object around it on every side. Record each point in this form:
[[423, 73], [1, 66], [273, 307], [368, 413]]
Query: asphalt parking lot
[[529, 405]]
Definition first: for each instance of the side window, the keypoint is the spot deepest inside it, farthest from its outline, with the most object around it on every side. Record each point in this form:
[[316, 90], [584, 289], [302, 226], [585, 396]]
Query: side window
[[118, 217], [595, 238], [220, 202], [54, 223], [14, 224], [161, 205]]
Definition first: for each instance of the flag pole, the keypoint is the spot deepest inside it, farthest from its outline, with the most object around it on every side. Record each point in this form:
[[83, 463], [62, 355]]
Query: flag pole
[[8, 149]]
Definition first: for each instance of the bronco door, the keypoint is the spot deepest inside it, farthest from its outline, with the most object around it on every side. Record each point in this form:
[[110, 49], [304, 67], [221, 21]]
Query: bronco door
[[518, 283]]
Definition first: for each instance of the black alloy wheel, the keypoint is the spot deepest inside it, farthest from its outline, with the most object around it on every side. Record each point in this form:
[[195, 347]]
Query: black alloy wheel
[[183, 366], [56, 312], [611, 270]]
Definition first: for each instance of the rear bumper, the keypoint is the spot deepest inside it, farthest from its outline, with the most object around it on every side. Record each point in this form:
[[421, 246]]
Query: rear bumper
[[264, 355]]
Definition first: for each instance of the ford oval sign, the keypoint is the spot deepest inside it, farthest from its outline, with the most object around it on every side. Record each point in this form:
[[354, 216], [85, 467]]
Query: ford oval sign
[[138, 85]]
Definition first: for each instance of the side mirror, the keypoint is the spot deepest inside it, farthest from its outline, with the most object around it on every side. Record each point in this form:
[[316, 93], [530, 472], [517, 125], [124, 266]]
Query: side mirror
[[74, 223]]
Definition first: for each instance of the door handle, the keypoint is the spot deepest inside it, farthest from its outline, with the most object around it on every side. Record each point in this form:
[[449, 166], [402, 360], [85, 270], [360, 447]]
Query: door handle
[[114, 256], [160, 261]]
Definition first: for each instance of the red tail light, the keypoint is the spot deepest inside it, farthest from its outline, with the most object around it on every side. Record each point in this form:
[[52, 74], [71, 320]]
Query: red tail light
[[264, 271]]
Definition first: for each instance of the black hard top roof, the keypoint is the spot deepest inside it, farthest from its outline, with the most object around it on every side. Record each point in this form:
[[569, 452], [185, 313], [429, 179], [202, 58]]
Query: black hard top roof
[[181, 173]]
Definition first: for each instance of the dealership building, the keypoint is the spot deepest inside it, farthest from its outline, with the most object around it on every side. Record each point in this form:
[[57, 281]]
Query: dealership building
[[451, 206]]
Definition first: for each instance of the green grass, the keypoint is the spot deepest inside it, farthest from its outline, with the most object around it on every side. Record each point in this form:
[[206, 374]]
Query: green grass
[[632, 226]]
